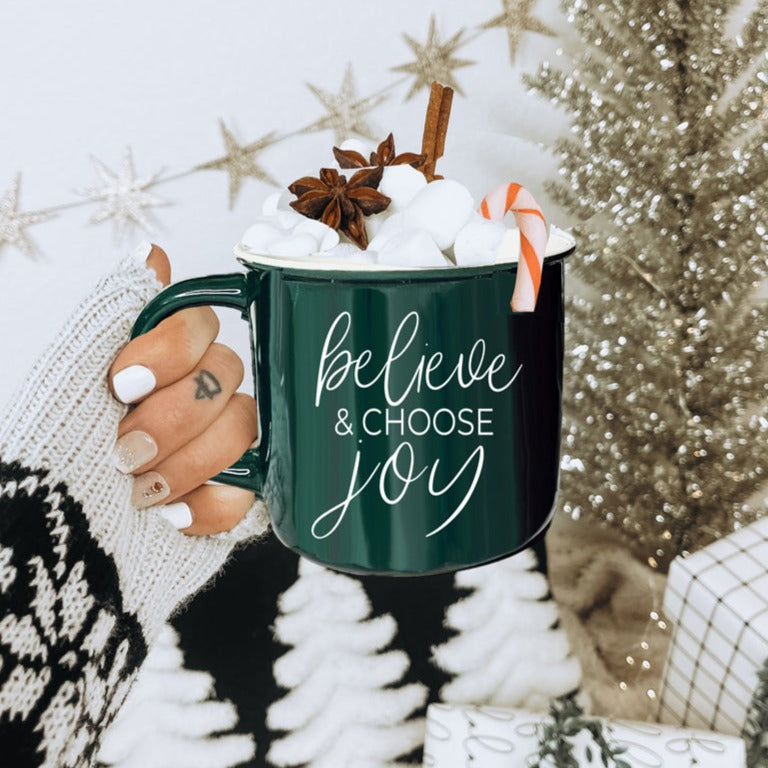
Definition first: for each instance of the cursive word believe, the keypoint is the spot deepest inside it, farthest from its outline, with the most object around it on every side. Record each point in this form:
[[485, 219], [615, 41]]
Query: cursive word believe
[[336, 364]]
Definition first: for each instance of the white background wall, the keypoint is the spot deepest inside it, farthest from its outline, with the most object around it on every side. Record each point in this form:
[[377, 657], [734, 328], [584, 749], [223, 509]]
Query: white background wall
[[88, 78]]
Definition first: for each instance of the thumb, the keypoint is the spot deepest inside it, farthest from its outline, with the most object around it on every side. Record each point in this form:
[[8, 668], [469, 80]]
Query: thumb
[[156, 259]]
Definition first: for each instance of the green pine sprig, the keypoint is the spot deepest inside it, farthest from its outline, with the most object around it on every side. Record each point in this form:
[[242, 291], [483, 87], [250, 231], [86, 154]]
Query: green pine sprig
[[756, 728], [556, 738]]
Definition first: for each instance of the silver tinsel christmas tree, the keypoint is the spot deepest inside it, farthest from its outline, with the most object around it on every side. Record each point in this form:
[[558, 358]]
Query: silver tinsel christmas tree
[[667, 172]]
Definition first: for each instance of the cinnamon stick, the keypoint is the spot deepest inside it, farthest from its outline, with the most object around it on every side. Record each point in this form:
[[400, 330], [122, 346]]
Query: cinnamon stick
[[435, 128]]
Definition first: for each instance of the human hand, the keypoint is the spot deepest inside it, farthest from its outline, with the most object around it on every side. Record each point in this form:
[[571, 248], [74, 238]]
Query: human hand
[[189, 422]]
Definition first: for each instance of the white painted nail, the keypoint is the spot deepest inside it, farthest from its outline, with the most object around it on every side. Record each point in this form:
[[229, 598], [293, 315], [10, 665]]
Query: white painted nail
[[178, 514], [133, 382], [141, 251]]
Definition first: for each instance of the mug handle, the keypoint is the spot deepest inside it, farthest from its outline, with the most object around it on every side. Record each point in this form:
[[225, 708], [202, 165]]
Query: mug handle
[[221, 291]]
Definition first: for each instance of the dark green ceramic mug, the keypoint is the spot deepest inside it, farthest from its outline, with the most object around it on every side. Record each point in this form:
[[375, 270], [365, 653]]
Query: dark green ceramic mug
[[409, 421]]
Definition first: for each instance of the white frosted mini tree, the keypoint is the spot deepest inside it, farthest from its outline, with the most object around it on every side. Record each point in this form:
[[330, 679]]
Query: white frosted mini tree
[[507, 651], [172, 720], [342, 707]]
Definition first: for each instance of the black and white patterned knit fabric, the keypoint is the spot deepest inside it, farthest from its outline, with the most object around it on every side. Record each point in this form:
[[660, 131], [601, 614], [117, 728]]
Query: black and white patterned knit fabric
[[317, 668], [68, 648]]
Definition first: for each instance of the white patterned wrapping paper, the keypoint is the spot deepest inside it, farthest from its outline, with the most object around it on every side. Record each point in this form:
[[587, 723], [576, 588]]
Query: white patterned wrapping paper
[[718, 601], [489, 737]]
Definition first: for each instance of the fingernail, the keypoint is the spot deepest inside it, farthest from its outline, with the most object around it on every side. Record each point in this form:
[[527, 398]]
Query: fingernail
[[148, 489], [133, 382], [141, 252], [132, 450], [178, 515]]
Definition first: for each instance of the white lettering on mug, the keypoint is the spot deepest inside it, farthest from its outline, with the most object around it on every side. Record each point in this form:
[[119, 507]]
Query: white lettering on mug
[[335, 366], [419, 421], [368, 430], [395, 476], [343, 505], [479, 455], [400, 466], [391, 467]]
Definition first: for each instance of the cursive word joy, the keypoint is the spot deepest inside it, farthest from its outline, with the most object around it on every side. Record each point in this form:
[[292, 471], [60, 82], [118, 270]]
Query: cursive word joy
[[431, 372], [400, 470]]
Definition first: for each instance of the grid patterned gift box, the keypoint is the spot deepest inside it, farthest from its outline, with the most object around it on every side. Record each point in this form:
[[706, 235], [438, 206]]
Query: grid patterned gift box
[[718, 599]]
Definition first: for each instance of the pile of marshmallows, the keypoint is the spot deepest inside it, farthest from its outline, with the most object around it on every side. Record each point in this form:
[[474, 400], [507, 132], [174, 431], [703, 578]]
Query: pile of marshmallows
[[425, 225]]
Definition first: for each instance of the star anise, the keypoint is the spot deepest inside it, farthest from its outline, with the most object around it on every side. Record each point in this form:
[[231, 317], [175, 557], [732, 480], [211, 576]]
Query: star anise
[[339, 203], [384, 155]]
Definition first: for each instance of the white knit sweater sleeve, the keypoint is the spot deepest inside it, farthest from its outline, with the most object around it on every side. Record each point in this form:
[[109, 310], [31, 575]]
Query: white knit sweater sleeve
[[86, 580]]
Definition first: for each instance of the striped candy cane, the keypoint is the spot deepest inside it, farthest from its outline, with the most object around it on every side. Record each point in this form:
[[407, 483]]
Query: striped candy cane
[[533, 239]]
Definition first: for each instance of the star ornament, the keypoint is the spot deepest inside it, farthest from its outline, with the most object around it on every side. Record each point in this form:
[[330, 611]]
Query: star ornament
[[435, 60], [124, 199], [345, 111], [516, 18], [13, 222], [240, 161]]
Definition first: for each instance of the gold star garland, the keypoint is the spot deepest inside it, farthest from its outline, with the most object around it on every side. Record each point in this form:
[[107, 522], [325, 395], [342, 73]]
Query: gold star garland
[[126, 200], [240, 162], [13, 222], [516, 18], [123, 197], [435, 60], [346, 111]]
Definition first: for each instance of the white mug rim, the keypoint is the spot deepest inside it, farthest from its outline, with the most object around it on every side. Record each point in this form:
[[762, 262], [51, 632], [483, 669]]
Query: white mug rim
[[560, 242]]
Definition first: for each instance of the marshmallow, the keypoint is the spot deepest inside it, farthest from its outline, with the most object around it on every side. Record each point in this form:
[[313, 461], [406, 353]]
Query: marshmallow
[[347, 251], [412, 248], [259, 237], [330, 240], [391, 226], [509, 248], [477, 241], [288, 219], [356, 145], [277, 201], [374, 222], [325, 236], [441, 208], [294, 246], [401, 183]]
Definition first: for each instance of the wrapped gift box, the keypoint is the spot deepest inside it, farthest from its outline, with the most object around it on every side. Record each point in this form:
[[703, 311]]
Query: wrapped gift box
[[718, 601], [488, 737]]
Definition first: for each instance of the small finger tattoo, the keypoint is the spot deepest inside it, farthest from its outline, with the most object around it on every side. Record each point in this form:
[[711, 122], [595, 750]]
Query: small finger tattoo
[[207, 386]]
